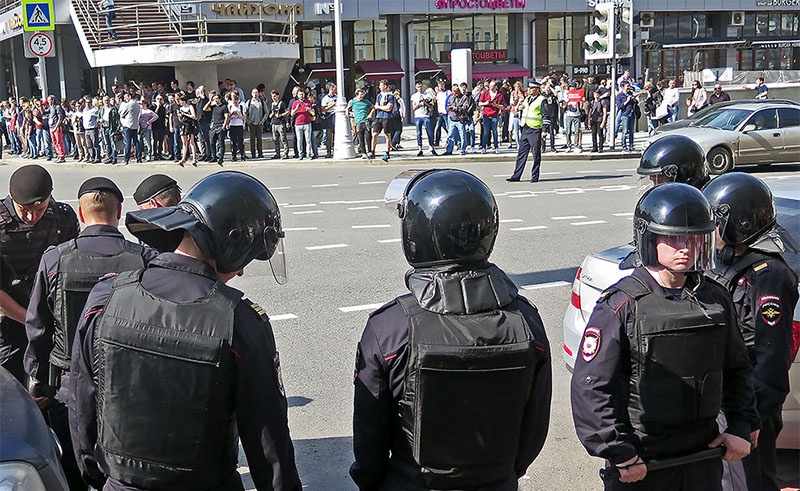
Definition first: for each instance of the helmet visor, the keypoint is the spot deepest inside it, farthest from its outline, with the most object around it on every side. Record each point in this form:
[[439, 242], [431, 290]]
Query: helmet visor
[[277, 263], [687, 253], [646, 182], [395, 196]]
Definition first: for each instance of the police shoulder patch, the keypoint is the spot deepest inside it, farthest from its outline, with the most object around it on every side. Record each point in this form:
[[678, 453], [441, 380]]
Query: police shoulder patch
[[590, 345], [276, 365], [257, 308], [769, 306], [760, 267]]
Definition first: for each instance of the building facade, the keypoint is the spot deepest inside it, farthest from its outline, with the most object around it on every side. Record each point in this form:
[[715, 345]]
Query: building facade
[[407, 40]]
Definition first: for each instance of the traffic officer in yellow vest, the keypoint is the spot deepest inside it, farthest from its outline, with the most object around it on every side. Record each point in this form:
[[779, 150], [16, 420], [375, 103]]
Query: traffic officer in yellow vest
[[533, 119]]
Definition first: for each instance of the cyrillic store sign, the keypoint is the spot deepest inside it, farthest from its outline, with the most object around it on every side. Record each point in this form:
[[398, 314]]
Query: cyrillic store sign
[[480, 5]]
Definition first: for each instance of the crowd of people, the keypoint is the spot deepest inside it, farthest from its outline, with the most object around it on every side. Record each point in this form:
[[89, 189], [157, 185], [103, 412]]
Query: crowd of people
[[156, 121]]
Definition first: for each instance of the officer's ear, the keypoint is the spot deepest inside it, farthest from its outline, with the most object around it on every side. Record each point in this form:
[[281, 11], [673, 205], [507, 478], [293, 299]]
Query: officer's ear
[[119, 211], [80, 214]]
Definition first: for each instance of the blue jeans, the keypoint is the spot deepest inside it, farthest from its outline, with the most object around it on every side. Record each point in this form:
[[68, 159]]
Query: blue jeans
[[627, 130], [111, 146], [304, 133], [469, 128], [176, 144], [458, 134], [132, 137], [419, 123], [442, 123], [673, 112], [489, 130], [145, 141], [45, 142]]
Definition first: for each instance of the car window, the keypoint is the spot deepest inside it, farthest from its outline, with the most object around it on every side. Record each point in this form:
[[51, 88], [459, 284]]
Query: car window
[[789, 117], [788, 211], [766, 119], [726, 119]]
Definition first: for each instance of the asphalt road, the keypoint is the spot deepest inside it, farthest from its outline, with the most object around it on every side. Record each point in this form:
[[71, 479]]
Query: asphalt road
[[345, 259]]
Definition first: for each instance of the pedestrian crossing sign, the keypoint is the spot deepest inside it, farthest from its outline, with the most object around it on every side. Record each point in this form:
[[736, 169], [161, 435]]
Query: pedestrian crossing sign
[[37, 15]]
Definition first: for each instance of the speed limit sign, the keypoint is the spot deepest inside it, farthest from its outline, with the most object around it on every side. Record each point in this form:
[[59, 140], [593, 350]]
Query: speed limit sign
[[39, 44]]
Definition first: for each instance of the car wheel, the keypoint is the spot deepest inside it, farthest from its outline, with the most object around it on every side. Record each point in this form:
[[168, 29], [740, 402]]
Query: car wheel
[[719, 160]]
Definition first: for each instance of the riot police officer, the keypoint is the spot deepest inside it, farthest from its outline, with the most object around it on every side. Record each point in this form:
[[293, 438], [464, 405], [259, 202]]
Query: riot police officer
[[452, 381], [156, 191], [673, 158], [764, 291], [661, 355], [66, 275], [30, 221], [169, 363]]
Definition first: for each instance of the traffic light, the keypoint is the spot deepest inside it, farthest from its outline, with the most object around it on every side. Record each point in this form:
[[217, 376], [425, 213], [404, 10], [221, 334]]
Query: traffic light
[[598, 44], [37, 75], [623, 47]]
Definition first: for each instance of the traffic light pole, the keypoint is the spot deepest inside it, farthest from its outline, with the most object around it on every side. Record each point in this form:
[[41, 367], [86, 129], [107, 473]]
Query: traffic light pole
[[612, 114]]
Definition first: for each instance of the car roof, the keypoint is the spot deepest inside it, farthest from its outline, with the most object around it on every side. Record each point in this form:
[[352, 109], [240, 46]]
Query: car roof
[[754, 106]]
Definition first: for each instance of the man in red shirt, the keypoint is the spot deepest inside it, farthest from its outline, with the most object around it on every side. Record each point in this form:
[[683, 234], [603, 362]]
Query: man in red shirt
[[491, 102]]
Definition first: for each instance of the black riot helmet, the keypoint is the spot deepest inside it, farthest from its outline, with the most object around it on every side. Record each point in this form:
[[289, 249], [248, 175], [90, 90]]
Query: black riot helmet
[[743, 206], [232, 217], [674, 158], [448, 216], [677, 214]]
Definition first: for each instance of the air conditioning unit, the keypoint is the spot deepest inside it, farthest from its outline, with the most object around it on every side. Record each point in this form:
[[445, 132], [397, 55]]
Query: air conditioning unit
[[737, 19], [646, 20]]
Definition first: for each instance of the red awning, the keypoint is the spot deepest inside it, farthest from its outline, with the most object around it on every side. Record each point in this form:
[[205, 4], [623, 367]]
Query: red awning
[[499, 70], [426, 67], [378, 69], [322, 70]]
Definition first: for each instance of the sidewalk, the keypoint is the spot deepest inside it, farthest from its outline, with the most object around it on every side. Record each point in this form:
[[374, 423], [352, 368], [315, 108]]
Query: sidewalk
[[408, 152]]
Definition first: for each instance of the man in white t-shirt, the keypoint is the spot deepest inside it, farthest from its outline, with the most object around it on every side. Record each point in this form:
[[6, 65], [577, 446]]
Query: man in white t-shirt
[[672, 98], [442, 122], [422, 105]]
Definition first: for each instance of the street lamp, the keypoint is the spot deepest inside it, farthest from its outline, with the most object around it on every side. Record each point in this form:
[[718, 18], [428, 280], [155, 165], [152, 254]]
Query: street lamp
[[342, 139]]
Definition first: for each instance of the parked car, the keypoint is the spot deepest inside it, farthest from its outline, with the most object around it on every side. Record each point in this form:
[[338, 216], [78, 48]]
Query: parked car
[[29, 451], [601, 270], [747, 133], [701, 114]]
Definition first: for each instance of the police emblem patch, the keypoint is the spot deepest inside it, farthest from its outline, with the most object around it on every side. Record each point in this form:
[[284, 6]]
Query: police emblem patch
[[276, 363], [770, 308], [590, 345]]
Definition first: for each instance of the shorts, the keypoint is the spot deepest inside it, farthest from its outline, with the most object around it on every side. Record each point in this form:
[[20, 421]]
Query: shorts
[[382, 125]]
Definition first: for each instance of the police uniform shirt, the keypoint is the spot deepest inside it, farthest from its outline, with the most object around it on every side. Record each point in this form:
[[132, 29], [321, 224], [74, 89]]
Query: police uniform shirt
[[381, 361], [21, 249], [260, 403], [104, 240], [764, 297], [602, 367]]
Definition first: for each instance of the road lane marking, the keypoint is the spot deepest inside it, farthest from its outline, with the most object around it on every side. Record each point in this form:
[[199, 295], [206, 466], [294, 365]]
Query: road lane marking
[[522, 229], [357, 308], [388, 241], [511, 220], [356, 208], [569, 191], [281, 187], [383, 225], [351, 202], [330, 246], [372, 182], [299, 229], [281, 317], [590, 222], [539, 286], [304, 205], [324, 185], [626, 214], [307, 212], [573, 217]]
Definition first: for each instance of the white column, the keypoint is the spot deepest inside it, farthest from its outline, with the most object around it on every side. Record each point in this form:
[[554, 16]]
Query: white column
[[343, 139]]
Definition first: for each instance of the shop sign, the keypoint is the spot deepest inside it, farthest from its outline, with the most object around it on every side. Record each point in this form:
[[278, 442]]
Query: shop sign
[[11, 23], [580, 70], [480, 4], [255, 9], [481, 56], [324, 8]]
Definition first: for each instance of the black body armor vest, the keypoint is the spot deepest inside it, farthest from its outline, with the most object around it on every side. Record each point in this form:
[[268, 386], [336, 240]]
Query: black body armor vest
[[677, 362], [78, 272], [466, 384], [726, 276], [166, 380], [22, 248]]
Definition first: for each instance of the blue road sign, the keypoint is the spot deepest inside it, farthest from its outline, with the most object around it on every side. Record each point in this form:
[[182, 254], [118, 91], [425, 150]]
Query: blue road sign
[[37, 15]]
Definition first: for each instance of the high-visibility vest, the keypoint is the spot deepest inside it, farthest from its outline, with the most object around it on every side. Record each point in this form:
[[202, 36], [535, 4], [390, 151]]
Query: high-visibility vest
[[532, 115]]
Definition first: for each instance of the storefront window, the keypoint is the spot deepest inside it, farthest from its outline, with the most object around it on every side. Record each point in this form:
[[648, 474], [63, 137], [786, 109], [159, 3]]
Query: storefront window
[[370, 39], [318, 43], [485, 32], [767, 59], [671, 63]]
